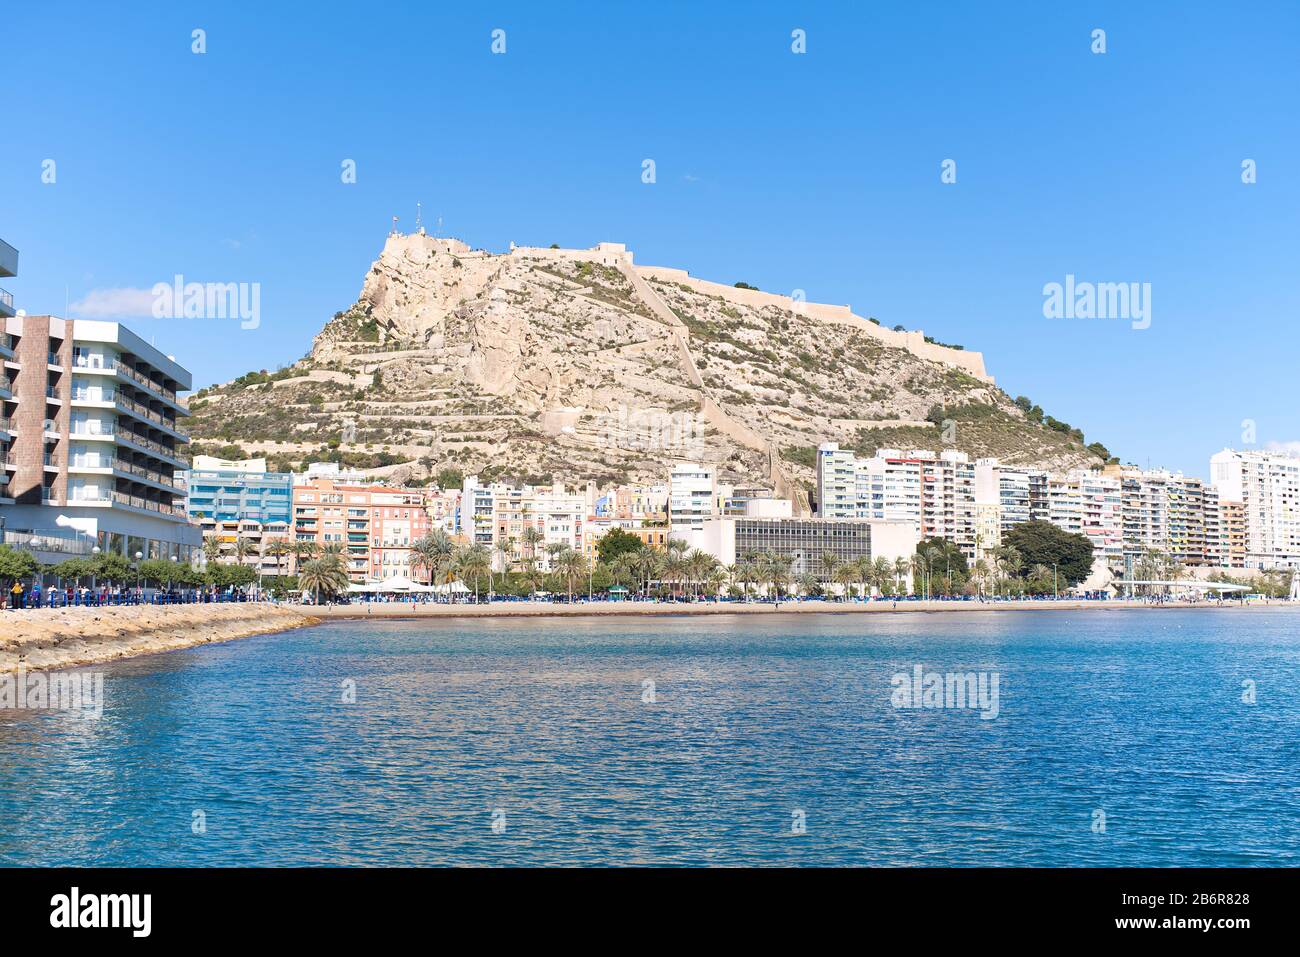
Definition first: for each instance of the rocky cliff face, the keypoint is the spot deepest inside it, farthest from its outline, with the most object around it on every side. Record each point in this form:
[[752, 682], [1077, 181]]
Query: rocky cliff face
[[576, 364]]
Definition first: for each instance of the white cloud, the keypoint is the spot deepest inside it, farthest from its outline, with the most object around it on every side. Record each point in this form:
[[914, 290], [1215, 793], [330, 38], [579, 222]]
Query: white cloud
[[114, 304], [1291, 448]]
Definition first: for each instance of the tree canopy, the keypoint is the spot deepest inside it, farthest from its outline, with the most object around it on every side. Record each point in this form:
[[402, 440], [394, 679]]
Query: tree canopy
[[1042, 543], [616, 542]]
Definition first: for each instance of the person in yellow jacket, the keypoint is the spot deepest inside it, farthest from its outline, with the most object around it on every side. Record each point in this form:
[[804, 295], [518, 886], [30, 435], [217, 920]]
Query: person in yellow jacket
[[16, 595]]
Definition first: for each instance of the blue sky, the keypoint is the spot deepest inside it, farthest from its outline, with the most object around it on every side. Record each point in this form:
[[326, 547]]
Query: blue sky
[[818, 171]]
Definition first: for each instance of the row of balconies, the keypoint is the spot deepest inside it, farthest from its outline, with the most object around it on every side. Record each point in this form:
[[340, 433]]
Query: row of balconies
[[109, 363]]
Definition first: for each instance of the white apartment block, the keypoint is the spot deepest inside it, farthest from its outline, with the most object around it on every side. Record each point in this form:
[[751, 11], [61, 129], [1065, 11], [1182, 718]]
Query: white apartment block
[[1266, 487], [693, 498], [837, 488], [935, 491]]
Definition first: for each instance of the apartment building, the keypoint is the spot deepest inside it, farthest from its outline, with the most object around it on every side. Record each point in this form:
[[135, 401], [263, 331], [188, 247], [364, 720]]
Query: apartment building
[[92, 436], [238, 501], [935, 491], [374, 525], [646, 503], [496, 516], [837, 482], [1164, 512], [693, 498], [1266, 487]]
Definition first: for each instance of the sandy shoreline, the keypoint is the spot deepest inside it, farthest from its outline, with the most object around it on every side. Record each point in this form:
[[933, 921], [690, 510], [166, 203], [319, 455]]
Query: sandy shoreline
[[75, 637], [72, 637], [402, 610]]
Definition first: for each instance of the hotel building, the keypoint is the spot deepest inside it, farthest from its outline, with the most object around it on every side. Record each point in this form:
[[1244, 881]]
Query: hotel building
[[236, 501], [91, 437]]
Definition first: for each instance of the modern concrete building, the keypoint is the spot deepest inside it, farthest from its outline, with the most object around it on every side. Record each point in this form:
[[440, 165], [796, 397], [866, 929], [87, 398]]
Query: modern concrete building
[[240, 501], [805, 540], [1264, 486], [92, 437]]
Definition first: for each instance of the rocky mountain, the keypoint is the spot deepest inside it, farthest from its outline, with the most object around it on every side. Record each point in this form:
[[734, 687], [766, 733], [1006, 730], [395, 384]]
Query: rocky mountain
[[564, 364]]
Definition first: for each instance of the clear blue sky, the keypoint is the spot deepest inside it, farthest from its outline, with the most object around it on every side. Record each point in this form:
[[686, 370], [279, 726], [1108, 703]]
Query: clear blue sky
[[817, 171]]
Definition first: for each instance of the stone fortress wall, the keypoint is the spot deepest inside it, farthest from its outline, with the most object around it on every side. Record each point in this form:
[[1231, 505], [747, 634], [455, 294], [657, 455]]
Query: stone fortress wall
[[913, 340]]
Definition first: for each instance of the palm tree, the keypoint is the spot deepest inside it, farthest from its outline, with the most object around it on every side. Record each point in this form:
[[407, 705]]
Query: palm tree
[[302, 548], [745, 574], [533, 575], [902, 568], [472, 562], [570, 566], [846, 574], [779, 568], [432, 552], [242, 547], [808, 583], [980, 573], [327, 574], [920, 573], [933, 557], [530, 538], [212, 548], [829, 562], [698, 564], [623, 568], [278, 549], [882, 569], [673, 569], [505, 548], [718, 576]]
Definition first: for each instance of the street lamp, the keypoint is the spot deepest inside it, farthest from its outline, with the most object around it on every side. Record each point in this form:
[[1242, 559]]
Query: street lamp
[[1054, 590], [138, 556]]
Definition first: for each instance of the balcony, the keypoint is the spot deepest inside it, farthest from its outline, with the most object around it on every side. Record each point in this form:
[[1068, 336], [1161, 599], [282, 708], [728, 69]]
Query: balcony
[[140, 441], [104, 396], [8, 259], [6, 304], [98, 363], [148, 505], [144, 412]]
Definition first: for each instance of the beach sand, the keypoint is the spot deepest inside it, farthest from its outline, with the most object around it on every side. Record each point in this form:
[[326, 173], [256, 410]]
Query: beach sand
[[525, 609]]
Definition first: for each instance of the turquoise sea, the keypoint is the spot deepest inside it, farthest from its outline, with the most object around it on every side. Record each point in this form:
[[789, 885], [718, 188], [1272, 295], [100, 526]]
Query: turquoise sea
[[762, 741]]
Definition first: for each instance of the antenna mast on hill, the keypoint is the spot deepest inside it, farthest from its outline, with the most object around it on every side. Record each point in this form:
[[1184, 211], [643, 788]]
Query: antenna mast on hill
[[419, 224], [394, 232]]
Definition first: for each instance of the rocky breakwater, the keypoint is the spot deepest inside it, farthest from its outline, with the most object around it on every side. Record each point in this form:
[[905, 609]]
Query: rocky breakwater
[[46, 638]]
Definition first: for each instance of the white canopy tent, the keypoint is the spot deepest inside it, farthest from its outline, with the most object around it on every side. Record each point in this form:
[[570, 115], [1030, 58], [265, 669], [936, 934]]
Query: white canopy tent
[[451, 588], [398, 584]]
